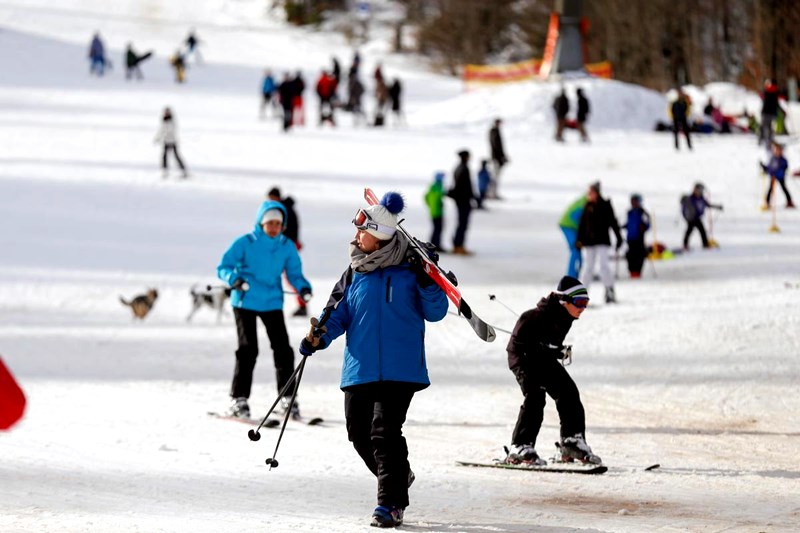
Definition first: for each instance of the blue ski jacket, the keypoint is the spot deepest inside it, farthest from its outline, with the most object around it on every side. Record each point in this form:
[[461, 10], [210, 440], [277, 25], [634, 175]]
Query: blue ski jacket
[[776, 167], [260, 260], [383, 313]]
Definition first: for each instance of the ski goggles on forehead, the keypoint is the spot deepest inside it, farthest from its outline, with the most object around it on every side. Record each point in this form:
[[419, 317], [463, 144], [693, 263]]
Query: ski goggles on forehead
[[364, 222]]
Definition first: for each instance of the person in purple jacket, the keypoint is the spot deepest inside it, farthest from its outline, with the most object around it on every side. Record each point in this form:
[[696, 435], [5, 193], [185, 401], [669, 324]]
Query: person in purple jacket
[[776, 168], [381, 304], [692, 207]]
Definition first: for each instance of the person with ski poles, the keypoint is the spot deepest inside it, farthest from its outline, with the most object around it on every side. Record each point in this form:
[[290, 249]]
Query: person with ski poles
[[776, 168], [692, 208], [253, 266], [381, 304], [536, 355]]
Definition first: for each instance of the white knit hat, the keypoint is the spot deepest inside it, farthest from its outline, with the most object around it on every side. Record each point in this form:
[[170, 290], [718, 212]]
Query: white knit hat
[[272, 214], [384, 220]]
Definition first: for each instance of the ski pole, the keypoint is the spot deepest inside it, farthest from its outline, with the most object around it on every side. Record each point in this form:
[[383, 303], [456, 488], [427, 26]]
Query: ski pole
[[271, 461], [493, 298], [254, 434]]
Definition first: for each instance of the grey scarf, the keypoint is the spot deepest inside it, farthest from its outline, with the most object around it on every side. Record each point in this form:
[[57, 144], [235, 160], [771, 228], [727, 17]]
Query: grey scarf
[[392, 253]]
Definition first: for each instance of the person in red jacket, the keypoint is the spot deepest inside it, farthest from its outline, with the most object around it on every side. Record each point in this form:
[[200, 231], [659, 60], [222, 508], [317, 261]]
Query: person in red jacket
[[326, 90]]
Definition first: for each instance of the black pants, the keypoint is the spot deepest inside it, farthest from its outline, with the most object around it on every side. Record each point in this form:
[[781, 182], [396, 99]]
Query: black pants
[[287, 117], [548, 376], [375, 414], [696, 223], [464, 211], [436, 236], [174, 148], [247, 352], [681, 125], [783, 186], [636, 255]]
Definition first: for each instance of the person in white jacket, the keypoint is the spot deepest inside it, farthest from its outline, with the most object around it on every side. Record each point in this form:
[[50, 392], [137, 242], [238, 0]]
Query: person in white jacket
[[167, 134]]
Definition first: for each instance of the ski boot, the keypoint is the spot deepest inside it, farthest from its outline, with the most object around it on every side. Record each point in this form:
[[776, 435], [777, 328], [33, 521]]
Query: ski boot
[[524, 454], [611, 296], [387, 516], [575, 447], [239, 408], [287, 405]]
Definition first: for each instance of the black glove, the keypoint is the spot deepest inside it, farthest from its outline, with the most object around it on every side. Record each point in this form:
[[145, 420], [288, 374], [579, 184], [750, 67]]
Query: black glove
[[418, 268], [240, 285], [305, 294], [307, 347]]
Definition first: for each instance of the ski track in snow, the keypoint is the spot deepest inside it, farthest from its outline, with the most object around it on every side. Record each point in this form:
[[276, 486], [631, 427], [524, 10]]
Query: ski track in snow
[[695, 369]]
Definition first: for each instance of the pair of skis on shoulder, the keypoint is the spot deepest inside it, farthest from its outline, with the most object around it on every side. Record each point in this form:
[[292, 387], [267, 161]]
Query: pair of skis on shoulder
[[446, 281]]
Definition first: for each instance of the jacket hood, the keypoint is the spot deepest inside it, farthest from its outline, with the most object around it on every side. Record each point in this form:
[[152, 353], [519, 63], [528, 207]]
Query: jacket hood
[[266, 206]]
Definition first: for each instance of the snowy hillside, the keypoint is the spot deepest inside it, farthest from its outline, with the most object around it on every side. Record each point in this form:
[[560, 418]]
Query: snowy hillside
[[695, 369]]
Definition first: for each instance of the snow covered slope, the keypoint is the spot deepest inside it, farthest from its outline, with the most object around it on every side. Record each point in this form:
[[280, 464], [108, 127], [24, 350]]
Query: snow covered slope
[[695, 369]]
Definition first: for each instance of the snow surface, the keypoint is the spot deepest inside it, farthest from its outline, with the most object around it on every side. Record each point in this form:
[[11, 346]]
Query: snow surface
[[696, 368]]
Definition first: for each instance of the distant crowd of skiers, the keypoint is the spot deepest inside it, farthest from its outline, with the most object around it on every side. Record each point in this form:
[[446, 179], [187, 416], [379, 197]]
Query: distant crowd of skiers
[[334, 93]]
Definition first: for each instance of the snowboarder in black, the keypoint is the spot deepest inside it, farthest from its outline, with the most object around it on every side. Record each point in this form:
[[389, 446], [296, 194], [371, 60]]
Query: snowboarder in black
[[536, 356], [680, 121]]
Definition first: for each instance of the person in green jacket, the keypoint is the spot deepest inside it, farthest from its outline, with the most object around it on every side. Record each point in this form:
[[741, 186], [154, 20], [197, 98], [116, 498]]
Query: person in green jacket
[[569, 226], [434, 200]]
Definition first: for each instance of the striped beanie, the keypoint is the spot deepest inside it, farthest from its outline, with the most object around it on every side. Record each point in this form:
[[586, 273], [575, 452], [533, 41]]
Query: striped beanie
[[572, 289]]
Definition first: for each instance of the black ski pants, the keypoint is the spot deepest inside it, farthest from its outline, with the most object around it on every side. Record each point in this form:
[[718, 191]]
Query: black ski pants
[[681, 125], [545, 375], [375, 414], [636, 255], [247, 352], [783, 186], [436, 235], [464, 211], [174, 148], [692, 224]]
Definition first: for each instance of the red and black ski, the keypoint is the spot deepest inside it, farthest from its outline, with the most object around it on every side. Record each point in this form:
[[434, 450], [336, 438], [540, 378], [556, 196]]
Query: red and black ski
[[482, 329]]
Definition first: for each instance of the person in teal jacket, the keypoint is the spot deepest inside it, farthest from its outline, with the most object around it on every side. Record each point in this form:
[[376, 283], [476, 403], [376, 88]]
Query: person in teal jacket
[[253, 266], [381, 304], [569, 226]]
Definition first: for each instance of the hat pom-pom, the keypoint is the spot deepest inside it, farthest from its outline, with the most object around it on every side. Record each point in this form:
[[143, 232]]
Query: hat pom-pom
[[393, 202]]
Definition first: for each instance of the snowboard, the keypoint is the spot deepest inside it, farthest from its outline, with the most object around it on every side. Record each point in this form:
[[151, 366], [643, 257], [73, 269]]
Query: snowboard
[[560, 468]]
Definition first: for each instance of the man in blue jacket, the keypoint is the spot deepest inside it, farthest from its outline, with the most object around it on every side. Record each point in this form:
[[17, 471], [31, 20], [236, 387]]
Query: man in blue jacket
[[253, 266], [381, 304]]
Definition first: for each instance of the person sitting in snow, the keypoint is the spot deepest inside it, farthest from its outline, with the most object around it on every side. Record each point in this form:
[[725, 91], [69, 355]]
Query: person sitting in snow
[[536, 352], [381, 303], [776, 168]]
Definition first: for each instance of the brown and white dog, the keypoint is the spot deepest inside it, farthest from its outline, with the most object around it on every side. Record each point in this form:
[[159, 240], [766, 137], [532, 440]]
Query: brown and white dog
[[142, 304]]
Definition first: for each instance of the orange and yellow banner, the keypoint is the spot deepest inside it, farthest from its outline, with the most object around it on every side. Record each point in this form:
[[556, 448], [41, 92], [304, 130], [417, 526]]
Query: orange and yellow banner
[[524, 70]]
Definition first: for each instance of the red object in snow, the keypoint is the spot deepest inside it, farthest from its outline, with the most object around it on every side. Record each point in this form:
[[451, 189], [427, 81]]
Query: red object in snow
[[12, 399]]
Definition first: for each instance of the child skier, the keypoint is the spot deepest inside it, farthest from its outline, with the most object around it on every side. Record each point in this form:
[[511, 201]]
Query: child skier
[[637, 224], [434, 200], [484, 180], [692, 208], [776, 168], [535, 354]]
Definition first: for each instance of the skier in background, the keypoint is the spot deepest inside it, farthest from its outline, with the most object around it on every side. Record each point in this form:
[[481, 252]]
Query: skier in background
[[637, 224], [692, 208], [535, 354], [434, 199], [267, 91], [193, 47], [395, 91], [286, 92], [132, 61], [292, 232], [499, 158], [463, 195], [484, 182], [561, 109], [569, 223], [298, 105], [384, 354], [596, 221], [583, 114], [776, 168], [326, 91], [168, 136], [253, 266], [97, 56], [680, 110], [178, 63]]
